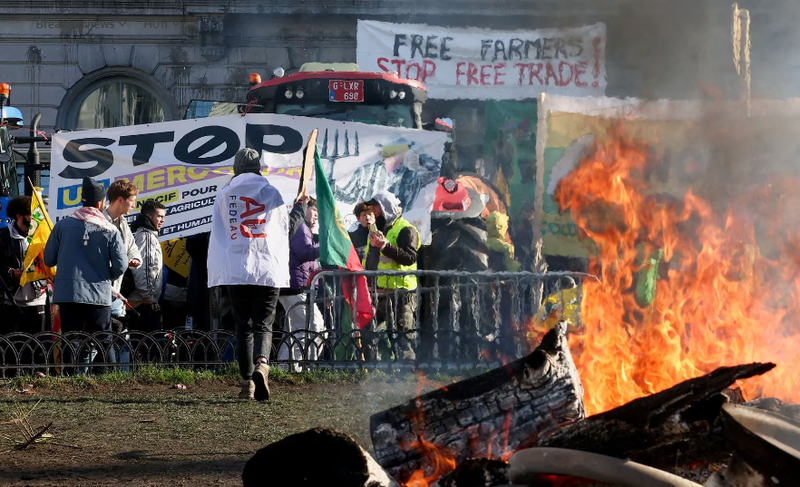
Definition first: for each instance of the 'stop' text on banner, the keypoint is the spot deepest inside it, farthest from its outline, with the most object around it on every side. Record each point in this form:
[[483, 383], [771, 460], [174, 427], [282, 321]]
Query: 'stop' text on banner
[[184, 164], [467, 63]]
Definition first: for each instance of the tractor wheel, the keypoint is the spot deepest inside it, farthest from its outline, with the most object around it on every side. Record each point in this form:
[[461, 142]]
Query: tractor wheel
[[459, 245]]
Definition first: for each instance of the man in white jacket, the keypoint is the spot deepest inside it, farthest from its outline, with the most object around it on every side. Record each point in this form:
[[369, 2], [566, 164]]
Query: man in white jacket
[[248, 252]]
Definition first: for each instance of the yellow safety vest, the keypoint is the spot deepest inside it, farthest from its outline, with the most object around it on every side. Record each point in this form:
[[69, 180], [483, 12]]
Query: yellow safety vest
[[387, 264]]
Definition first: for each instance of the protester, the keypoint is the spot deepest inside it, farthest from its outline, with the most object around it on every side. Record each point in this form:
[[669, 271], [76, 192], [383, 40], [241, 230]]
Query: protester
[[122, 198], [303, 255], [248, 253], [198, 311], [360, 236], [148, 277], [90, 255], [394, 248], [26, 312], [298, 214]]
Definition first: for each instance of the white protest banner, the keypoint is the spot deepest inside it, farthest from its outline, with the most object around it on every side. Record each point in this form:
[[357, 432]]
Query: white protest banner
[[184, 163], [477, 64]]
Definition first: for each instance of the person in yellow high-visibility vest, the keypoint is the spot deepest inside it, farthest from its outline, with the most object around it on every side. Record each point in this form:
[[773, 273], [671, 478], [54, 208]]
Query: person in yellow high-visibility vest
[[394, 244]]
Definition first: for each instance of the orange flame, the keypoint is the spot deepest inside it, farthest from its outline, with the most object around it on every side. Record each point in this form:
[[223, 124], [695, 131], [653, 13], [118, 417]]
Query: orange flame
[[717, 302], [437, 460]]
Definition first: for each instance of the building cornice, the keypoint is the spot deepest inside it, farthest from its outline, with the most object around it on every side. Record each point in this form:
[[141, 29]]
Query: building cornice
[[547, 8]]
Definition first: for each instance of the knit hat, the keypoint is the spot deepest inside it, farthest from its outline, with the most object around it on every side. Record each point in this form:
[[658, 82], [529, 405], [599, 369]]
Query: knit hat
[[247, 160], [92, 192]]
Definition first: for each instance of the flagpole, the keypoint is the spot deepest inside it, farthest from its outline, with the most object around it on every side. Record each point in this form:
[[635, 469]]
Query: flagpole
[[44, 210]]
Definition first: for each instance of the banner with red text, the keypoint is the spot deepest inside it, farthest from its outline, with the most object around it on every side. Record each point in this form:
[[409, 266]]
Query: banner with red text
[[478, 64]]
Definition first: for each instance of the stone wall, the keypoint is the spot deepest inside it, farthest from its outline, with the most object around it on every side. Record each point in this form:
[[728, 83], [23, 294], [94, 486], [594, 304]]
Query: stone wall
[[50, 50]]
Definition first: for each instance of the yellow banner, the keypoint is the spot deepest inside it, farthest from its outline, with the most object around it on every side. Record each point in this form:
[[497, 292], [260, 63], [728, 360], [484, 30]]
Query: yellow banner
[[176, 258], [708, 148], [39, 233], [674, 145]]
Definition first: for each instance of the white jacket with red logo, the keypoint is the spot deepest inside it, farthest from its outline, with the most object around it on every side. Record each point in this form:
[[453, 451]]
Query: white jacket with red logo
[[249, 242]]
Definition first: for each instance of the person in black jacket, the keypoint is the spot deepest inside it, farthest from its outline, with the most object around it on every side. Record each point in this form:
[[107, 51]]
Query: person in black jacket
[[31, 298], [360, 236]]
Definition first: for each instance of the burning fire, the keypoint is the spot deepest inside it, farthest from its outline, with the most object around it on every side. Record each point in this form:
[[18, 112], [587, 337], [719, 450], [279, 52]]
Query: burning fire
[[717, 301], [438, 461]]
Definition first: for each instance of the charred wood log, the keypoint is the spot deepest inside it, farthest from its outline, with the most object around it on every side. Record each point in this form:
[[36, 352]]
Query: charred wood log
[[312, 458], [673, 427], [476, 472], [484, 416]]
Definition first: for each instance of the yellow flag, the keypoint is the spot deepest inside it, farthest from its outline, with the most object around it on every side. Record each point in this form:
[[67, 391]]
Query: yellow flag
[[176, 258], [41, 226]]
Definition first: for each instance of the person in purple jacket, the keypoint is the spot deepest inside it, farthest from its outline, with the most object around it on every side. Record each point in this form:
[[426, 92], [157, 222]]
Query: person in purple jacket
[[303, 255]]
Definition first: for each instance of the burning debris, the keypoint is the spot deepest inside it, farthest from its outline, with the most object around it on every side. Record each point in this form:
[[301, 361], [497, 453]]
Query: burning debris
[[676, 425], [476, 472], [691, 423], [551, 444], [484, 416]]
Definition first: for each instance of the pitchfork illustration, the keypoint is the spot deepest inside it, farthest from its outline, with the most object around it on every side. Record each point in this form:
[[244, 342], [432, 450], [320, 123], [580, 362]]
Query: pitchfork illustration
[[335, 156]]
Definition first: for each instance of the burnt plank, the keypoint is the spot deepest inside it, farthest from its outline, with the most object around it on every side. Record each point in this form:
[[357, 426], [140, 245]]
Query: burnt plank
[[486, 415]]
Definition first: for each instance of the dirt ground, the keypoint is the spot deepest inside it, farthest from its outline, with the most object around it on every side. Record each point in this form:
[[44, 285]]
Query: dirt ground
[[154, 436]]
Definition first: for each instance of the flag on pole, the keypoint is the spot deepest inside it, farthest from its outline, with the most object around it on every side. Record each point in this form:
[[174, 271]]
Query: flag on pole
[[336, 249], [41, 227]]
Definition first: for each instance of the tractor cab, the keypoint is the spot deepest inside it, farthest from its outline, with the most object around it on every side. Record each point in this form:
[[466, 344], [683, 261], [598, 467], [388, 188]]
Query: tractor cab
[[342, 92], [334, 91], [10, 120]]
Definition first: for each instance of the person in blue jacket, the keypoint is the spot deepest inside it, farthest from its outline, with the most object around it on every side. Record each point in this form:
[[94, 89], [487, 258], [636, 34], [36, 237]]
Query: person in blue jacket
[[89, 253]]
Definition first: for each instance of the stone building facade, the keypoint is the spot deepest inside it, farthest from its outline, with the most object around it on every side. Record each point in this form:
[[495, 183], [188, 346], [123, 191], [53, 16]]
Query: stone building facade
[[91, 63]]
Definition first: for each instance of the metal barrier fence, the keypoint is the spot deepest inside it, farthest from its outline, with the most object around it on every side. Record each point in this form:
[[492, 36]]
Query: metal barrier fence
[[451, 320]]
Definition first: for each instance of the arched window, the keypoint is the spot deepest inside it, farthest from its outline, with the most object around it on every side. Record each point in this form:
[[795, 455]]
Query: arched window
[[115, 98], [118, 102]]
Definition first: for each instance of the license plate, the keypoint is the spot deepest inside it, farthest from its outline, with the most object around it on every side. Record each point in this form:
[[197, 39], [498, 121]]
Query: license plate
[[346, 91]]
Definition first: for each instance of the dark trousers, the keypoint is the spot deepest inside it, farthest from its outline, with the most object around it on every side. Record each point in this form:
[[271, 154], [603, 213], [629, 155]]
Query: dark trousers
[[395, 316], [148, 320], [254, 313], [32, 319], [88, 318]]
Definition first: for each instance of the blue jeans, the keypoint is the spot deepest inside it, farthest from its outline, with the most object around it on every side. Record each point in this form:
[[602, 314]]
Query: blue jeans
[[117, 308], [118, 311]]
